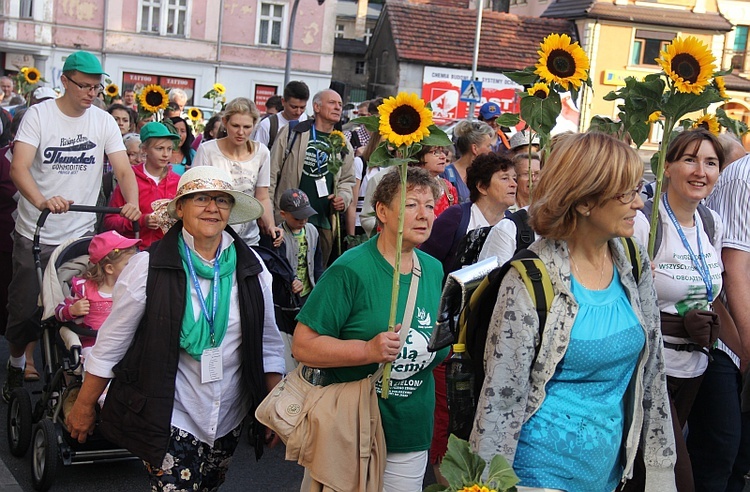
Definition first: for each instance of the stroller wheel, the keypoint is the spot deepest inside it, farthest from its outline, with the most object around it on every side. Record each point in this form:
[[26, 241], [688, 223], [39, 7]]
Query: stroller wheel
[[19, 422], [45, 455]]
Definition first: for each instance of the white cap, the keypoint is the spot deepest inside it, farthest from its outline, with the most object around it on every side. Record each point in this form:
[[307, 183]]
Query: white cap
[[42, 93]]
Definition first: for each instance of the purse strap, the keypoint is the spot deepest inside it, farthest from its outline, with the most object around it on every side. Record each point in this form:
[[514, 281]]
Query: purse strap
[[411, 302]]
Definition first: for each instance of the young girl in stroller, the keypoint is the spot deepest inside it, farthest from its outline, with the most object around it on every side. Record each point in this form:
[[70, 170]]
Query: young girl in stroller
[[90, 301]]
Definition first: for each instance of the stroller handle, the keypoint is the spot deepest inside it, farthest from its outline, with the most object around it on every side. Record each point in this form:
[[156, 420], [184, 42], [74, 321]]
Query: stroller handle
[[81, 208]]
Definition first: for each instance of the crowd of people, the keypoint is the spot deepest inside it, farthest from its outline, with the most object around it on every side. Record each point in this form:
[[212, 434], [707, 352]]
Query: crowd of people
[[634, 381]]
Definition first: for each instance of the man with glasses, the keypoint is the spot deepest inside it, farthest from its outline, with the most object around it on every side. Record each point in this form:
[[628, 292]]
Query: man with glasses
[[58, 159]]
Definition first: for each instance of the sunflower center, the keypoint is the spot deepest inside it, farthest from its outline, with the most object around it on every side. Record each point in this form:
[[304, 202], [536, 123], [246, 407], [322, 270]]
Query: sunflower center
[[540, 94], [561, 64], [153, 98], [405, 120], [687, 67], [31, 76]]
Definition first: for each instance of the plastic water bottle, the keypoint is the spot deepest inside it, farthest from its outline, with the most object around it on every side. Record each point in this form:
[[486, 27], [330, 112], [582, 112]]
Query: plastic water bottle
[[459, 378]]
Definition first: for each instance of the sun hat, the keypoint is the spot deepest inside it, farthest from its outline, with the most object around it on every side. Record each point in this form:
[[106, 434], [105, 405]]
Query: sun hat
[[519, 139], [296, 202], [490, 111], [154, 129], [106, 242], [208, 178], [43, 93], [84, 62]]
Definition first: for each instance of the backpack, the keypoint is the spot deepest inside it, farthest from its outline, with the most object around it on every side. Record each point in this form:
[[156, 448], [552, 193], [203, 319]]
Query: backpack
[[474, 320], [286, 304], [524, 232], [469, 247], [709, 226], [273, 129]]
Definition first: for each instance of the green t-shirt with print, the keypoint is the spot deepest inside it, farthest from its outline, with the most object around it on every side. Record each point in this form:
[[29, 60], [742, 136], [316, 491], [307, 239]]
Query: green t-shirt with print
[[315, 168], [352, 301]]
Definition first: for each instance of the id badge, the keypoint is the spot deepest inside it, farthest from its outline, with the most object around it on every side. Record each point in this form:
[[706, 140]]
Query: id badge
[[212, 368], [322, 187]]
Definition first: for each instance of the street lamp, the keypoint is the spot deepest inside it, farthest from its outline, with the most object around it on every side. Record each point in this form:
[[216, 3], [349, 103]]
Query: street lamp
[[290, 36]]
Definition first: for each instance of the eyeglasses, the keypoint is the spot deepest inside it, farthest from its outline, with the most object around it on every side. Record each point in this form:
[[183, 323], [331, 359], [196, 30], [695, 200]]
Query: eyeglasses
[[626, 198], [438, 151], [202, 200], [98, 88], [534, 175]]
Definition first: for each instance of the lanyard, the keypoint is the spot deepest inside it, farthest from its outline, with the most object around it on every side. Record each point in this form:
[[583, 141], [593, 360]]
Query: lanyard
[[700, 265], [198, 290], [318, 157]]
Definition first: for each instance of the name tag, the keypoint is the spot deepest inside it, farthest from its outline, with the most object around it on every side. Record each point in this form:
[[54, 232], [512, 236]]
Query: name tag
[[322, 187], [212, 368]]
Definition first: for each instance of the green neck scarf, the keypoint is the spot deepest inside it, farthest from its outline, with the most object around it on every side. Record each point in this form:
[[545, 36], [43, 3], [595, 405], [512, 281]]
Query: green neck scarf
[[196, 335]]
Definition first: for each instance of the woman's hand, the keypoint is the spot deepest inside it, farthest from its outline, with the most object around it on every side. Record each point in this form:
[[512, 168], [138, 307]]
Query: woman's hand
[[152, 222], [384, 347]]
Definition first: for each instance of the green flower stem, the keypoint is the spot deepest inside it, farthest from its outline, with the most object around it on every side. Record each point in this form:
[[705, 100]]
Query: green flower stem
[[531, 181], [396, 272], [669, 123]]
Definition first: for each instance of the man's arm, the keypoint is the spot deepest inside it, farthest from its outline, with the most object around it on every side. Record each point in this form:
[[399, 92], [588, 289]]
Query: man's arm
[[737, 285], [128, 184], [20, 173]]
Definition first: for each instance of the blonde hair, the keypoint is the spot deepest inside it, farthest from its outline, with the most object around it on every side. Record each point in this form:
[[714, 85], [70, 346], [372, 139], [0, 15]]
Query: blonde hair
[[586, 167], [241, 105], [96, 270]]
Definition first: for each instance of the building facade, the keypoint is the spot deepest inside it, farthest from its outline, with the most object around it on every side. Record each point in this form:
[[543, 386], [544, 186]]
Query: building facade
[[188, 44]]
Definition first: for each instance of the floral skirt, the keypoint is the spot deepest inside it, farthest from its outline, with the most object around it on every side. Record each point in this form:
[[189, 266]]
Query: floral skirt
[[191, 465]]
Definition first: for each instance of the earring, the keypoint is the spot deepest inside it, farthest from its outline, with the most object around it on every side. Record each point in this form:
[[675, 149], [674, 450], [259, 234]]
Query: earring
[[588, 212]]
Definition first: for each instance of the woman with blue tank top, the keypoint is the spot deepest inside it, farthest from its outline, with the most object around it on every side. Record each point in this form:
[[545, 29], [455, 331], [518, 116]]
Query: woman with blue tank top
[[569, 403]]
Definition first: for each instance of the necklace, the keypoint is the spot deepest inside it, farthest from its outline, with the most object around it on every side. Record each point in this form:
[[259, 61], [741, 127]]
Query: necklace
[[578, 272]]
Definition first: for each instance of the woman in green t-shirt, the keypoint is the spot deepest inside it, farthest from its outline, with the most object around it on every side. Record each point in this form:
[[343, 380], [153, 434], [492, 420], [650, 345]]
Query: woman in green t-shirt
[[343, 326]]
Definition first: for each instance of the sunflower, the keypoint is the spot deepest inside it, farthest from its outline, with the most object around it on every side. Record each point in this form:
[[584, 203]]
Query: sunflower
[[404, 119], [24, 69], [219, 88], [721, 87], [708, 122], [112, 90], [562, 62], [338, 137], [539, 90], [32, 75], [654, 117], [195, 114], [153, 98], [689, 63]]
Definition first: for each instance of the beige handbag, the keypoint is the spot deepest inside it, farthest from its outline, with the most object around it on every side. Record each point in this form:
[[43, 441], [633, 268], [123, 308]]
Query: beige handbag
[[281, 409]]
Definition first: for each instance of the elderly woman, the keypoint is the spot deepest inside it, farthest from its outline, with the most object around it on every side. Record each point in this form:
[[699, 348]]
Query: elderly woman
[[473, 138], [492, 189], [342, 327], [569, 403], [191, 343], [247, 161], [525, 180], [688, 269]]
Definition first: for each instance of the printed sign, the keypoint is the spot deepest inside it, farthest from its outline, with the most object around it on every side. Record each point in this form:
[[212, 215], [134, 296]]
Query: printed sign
[[471, 91], [137, 81], [262, 93]]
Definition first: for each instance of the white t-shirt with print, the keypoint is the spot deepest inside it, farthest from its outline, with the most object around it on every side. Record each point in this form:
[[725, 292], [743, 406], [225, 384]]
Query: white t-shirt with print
[[247, 175], [679, 286], [68, 162]]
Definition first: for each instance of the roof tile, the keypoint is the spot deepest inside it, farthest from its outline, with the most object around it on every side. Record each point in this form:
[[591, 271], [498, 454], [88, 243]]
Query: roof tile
[[437, 35]]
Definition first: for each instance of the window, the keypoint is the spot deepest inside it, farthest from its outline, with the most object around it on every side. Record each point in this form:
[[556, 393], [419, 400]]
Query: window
[[359, 68], [164, 17], [339, 33], [270, 23], [740, 47], [647, 45], [368, 35], [27, 9]]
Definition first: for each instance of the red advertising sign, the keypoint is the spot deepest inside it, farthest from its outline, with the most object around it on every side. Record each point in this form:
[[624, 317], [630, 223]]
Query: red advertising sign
[[137, 81], [442, 87], [262, 93]]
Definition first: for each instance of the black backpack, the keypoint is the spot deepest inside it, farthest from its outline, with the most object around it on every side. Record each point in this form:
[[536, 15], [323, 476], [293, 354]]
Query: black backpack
[[286, 304]]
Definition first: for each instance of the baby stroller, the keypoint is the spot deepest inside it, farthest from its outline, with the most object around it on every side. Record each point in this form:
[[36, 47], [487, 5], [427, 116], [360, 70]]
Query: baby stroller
[[42, 425]]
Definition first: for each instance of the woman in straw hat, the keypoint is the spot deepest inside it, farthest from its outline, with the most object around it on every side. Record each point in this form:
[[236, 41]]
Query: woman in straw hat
[[186, 373]]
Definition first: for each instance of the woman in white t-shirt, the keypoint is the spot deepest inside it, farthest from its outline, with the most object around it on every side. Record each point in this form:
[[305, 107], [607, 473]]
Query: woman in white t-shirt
[[247, 161], [688, 272]]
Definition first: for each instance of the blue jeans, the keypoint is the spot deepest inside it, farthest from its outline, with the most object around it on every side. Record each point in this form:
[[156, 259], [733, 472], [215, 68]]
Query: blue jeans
[[715, 426]]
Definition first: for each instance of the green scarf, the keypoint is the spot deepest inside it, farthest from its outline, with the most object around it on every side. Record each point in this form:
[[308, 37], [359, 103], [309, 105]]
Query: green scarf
[[196, 335]]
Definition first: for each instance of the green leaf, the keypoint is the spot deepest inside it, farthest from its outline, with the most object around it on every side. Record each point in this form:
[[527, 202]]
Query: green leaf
[[523, 77], [383, 158], [680, 103], [639, 132], [461, 466], [508, 119], [737, 127], [436, 138], [655, 163], [606, 125], [686, 124], [436, 487], [501, 475], [372, 123], [541, 114], [722, 73]]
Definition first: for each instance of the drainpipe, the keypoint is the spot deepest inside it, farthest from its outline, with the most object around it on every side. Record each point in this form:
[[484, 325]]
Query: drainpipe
[[104, 34], [475, 61], [290, 37], [218, 42]]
